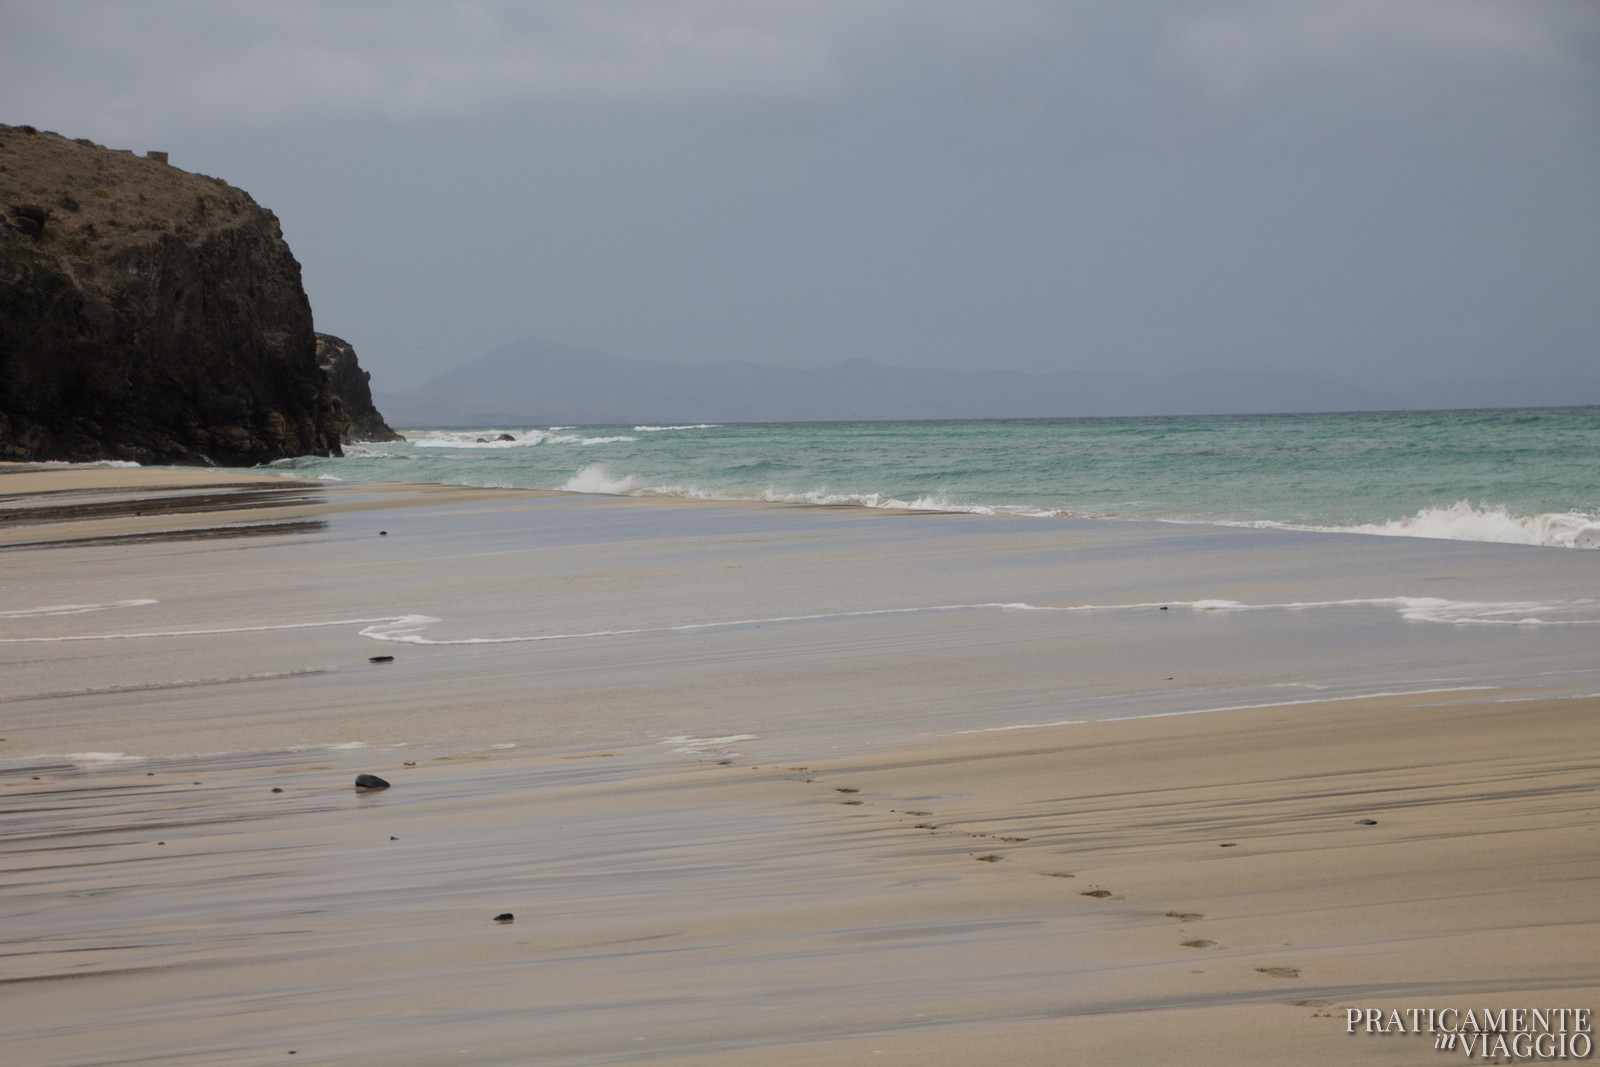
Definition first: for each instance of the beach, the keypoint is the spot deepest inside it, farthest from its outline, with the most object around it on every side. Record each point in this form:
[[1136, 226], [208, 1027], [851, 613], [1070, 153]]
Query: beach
[[765, 783]]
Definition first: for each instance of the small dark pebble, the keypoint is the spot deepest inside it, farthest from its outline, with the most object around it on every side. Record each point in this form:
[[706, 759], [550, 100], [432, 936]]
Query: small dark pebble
[[853, 803], [393, 838], [37, 778], [992, 857], [277, 789], [383, 533], [1099, 893], [845, 789], [197, 783], [380, 659], [370, 781], [160, 842], [505, 917], [1366, 822], [1163, 607], [1229, 844]]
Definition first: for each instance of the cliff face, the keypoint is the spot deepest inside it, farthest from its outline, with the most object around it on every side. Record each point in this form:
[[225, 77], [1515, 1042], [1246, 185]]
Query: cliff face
[[148, 314], [338, 359]]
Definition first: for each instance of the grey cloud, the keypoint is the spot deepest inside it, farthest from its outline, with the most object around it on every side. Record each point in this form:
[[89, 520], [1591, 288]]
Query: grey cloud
[[1254, 45], [264, 62]]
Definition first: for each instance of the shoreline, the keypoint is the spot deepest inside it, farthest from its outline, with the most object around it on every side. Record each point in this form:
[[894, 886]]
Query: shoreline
[[401, 493], [770, 785]]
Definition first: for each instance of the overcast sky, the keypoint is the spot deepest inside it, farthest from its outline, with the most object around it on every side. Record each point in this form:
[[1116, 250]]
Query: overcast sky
[[1377, 189]]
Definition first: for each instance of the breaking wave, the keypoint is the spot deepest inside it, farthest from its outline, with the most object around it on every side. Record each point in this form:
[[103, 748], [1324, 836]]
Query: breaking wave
[[1462, 521], [505, 439]]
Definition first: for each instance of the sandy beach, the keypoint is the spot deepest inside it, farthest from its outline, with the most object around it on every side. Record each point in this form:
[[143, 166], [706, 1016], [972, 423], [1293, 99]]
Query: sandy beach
[[767, 784]]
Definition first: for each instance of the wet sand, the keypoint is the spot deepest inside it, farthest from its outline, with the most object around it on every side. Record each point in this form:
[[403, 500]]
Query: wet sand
[[863, 881]]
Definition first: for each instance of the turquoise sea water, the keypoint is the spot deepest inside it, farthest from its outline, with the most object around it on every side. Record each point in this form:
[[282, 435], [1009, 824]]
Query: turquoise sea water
[[1521, 476]]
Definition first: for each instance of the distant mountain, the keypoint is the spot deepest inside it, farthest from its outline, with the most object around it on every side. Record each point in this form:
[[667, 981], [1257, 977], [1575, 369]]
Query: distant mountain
[[533, 381]]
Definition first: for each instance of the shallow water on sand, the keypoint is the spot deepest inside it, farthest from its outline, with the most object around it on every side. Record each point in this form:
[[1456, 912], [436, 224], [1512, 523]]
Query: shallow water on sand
[[579, 621]]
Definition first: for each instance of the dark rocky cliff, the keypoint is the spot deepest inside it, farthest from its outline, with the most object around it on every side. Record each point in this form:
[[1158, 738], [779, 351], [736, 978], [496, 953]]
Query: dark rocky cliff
[[352, 384], [148, 314]]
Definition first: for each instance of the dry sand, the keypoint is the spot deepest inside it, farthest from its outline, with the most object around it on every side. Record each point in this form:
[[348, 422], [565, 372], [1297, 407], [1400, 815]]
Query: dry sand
[[1197, 889]]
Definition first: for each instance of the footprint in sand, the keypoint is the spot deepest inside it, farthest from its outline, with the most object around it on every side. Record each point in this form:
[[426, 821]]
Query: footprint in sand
[[1199, 942], [1185, 916], [1280, 972]]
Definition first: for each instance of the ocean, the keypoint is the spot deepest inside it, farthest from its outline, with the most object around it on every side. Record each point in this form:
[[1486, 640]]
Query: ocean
[[1520, 476]]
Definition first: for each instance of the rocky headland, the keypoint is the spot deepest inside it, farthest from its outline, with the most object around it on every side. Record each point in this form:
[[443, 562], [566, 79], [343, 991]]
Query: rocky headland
[[149, 314], [337, 357]]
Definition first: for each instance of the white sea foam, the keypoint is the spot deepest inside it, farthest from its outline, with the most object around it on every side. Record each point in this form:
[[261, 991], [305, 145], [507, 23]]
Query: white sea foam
[[1580, 612], [101, 757], [926, 502], [407, 629], [1459, 522], [664, 429], [1021, 726], [697, 745], [1583, 612], [72, 609], [1464, 521], [207, 631], [1376, 695], [410, 629], [358, 450], [596, 479], [491, 439]]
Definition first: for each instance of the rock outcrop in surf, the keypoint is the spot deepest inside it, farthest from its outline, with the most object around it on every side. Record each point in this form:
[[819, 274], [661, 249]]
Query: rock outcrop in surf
[[149, 314], [337, 357]]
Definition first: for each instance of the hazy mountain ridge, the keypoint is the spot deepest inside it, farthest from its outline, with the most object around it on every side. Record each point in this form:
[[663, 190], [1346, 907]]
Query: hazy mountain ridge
[[533, 381]]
